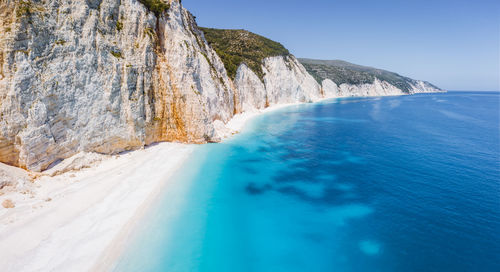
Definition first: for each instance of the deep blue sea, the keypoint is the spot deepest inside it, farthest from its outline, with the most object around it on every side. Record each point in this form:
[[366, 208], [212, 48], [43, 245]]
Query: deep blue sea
[[406, 183]]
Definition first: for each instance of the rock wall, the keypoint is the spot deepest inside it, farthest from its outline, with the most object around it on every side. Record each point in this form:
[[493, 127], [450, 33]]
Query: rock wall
[[77, 77], [108, 76], [285, 81], [191, 88]]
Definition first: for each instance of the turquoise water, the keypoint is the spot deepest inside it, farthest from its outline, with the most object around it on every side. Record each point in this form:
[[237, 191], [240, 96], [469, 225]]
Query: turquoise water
[[364, 184]]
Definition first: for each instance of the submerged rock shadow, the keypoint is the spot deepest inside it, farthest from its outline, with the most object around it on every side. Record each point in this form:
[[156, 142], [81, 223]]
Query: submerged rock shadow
[[311, 179]]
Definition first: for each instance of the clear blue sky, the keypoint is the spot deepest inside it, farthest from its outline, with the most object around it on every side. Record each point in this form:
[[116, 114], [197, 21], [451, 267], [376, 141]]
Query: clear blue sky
[[451, 43]]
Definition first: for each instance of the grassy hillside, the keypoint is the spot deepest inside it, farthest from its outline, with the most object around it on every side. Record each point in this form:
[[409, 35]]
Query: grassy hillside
[[344, 72], [235, 47]]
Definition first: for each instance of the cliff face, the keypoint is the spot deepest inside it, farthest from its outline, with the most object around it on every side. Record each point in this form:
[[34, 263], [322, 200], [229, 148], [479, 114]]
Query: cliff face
[[113, 75], [285, 81], [62, 87], [376, 88], [108, 75], [340, 78], [76, 75]]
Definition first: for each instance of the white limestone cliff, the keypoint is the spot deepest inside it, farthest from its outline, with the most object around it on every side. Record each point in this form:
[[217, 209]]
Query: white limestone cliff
[[285, 81], [423, 87], [377, 88], [108, 76], [71, 80]]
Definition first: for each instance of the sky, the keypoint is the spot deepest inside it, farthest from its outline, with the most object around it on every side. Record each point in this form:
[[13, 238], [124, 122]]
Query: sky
[[453, 44]]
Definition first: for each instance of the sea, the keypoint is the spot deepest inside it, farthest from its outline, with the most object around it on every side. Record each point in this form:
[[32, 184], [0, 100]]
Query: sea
[[408, 183]]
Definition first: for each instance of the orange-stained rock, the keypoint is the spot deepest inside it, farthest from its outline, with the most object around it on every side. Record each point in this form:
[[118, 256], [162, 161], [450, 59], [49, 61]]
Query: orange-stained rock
[[8, 204]]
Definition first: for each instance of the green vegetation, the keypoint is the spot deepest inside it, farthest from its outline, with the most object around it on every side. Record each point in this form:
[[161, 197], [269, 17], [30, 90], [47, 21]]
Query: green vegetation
[[116, 54], [235, 47], [195, 90], [60, 42], [27, 9], [344, 72], [26, 52], [156, 6], [119, 25], [150, 32], [24, 8]]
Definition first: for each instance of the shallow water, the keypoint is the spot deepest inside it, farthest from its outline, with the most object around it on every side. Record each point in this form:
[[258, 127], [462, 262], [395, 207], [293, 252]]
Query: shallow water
[[367, 184]]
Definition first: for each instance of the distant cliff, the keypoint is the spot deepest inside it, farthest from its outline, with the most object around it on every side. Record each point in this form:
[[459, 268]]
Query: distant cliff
[[341, 78], [113, 75]]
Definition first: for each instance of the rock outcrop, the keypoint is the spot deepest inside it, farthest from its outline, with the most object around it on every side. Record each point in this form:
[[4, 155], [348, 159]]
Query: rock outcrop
[[13, 176]]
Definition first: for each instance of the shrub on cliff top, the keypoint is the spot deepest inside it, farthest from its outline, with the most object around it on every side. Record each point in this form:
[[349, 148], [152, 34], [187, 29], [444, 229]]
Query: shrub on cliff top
[[156, 6], [235, 47], [25, 8]]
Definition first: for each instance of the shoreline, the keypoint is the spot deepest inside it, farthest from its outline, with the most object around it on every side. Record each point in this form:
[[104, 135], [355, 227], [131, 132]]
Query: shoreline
[[87, 210], [57, 226], [235, 126], [56, 215], [119, 244]]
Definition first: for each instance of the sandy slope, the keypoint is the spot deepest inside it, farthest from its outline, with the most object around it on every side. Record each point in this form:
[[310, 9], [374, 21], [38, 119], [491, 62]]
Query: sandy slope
[[66, 222]]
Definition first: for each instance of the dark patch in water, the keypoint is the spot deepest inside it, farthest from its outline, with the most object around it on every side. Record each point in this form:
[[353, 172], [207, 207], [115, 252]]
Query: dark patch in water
[[331, 196], [301, 175], [253, 189], [294, 191]]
